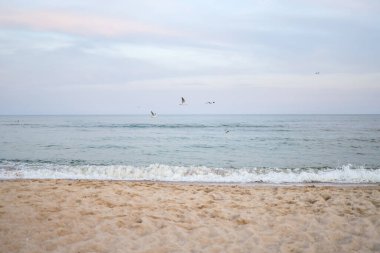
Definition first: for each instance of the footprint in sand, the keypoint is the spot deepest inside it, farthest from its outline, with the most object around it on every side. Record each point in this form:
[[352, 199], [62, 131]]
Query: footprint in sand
[[326, 197]]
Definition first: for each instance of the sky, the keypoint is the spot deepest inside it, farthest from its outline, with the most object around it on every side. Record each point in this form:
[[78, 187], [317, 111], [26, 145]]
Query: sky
[[130, 57]]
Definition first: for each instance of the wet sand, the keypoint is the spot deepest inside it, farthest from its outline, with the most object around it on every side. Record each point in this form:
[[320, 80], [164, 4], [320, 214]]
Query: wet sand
[[118, 216]]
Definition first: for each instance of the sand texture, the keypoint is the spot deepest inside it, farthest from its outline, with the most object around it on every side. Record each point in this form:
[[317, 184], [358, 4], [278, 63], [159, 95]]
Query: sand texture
[[116, 216]]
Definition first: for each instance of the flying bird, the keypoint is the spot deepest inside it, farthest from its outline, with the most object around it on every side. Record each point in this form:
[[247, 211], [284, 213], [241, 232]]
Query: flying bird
[[317, 73], [152, 114], [227, 131], [182, 101], [210, 103]]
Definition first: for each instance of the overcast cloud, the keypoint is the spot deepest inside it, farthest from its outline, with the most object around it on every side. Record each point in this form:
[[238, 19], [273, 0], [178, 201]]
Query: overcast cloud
[[121, 57]]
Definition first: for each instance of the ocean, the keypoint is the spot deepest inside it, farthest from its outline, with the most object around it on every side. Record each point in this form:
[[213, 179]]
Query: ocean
[[193, 148]]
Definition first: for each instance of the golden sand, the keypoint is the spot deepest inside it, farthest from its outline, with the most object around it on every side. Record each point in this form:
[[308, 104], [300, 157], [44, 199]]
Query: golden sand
[[117, 216]]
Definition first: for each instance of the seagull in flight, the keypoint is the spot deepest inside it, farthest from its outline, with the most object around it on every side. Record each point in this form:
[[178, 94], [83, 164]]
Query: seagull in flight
[[153, 114], [182, 101], [210, 103]]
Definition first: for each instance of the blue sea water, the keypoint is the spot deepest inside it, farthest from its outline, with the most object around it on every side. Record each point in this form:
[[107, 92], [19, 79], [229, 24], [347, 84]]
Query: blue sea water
[[204, 148]]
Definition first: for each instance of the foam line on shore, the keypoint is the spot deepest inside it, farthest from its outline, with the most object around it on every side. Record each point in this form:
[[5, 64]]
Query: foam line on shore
[[159, 172]]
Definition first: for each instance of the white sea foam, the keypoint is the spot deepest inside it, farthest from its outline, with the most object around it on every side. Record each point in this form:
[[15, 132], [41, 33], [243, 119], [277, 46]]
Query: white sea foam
[[158, 172]]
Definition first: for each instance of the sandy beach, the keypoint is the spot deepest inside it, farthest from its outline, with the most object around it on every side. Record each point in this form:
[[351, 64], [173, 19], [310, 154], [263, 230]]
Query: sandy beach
[[121, 216]]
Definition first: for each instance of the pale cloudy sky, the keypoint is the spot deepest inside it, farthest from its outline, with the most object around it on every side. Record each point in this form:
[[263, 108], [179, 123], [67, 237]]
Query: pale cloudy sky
[[122, 57]]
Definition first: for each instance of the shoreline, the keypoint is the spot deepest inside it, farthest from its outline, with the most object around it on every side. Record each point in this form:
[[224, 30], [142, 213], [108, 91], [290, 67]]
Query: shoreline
[[249, 184], [60, 215]]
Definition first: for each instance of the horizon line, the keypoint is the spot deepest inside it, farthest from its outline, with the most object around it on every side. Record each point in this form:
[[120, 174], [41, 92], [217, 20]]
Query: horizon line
[[185, 114]]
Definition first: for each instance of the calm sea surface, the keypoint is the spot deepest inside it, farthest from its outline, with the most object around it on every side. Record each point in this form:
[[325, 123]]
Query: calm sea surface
[[213, 148]]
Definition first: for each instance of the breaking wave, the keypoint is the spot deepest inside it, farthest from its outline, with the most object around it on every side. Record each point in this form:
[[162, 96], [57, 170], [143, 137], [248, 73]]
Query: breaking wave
[[159, 172]]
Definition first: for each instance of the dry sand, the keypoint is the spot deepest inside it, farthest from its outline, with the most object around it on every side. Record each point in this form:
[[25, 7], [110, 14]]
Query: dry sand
[[117, 216]]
